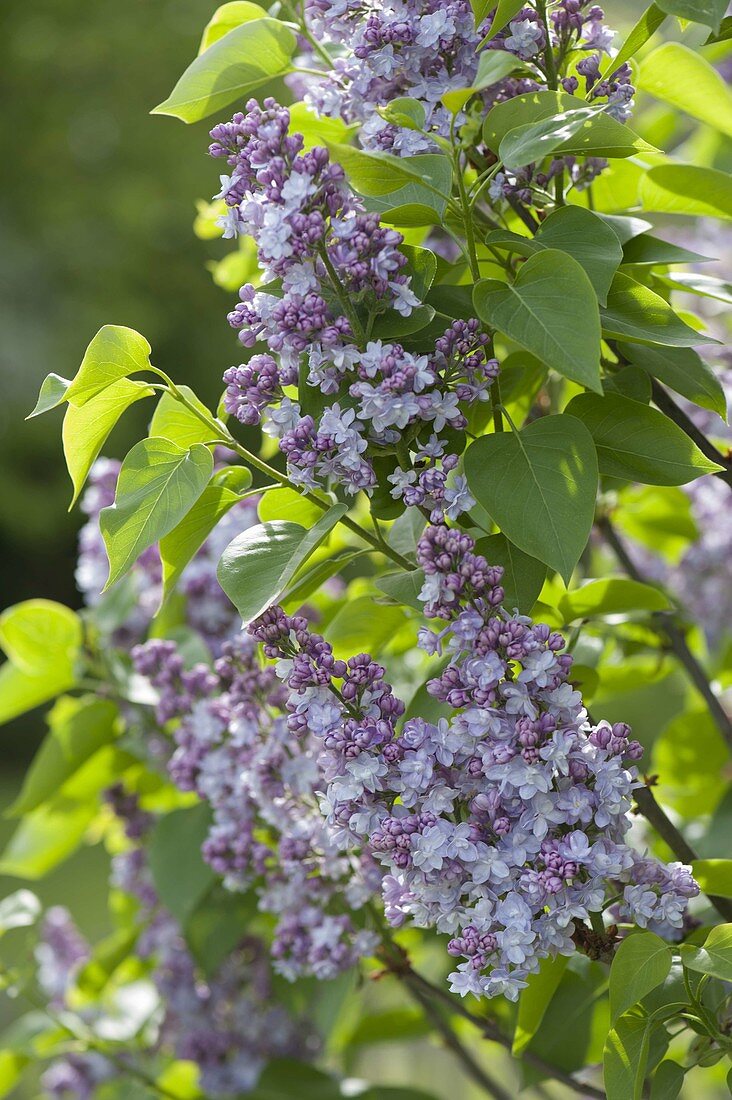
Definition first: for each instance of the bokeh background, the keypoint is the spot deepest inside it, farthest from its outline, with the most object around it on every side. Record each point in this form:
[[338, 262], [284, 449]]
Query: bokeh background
[[97, 204]]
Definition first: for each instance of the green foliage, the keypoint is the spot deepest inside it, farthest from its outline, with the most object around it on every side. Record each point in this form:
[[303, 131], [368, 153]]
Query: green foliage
[[644, 29], [52, 393], [641, 963], [714, 876], [687, 189], [259, 565], [588, 239], [635, 313], [176, 422], [42, 640], [626, 1058], [523, 576], [582, 301], [86, 427], [708, 12], [611, 596], [539, 486], [158, 484], [115, 352], [18, 910], [551, 310], [180, 875], [226, 18], [78, 728], [637, 443], [714, 956], [682, 77], [503, 14], [691, 757], [233, 67], [582, 129], [535, 1000], [683, 370], [668, 1080], [188, 536], [40, 636], [46, 837]]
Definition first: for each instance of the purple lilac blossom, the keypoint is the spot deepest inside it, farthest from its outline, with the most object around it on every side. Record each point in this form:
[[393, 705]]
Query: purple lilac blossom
[[501, 826], [235, 750], [327, 249], [425, 48]]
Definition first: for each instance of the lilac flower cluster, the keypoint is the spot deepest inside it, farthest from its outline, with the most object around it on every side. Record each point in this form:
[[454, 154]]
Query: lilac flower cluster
[[228, 1024], [235, 750], [423, 49], [338, 266], [207, 609], [502, 825]]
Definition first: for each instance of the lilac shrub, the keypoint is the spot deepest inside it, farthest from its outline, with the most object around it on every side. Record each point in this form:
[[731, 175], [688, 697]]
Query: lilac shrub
[[357, 694]]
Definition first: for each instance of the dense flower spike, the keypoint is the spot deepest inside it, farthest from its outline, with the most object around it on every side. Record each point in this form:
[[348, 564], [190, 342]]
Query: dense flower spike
[[384, 764], [504, 825], [235, 749], [339, 270], [423, 49]]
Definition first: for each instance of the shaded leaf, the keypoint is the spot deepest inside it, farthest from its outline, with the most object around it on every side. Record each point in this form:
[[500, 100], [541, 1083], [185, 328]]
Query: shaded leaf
[[611, 596], [585, 130], [539, 486], [551, 310], [257, 567], [625, 1058], [180, 545], [642, 962], [634, 312], [158, 483], [683, 370], [523, 576], [174, 421], [78, 728], [637, 443], [179, 872], [687, 189], [708, 12], [243, 60], [535, 1000], [714, 876]]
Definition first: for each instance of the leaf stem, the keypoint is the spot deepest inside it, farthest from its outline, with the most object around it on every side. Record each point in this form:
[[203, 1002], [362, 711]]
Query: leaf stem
[[467, 219], [356, 326]]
